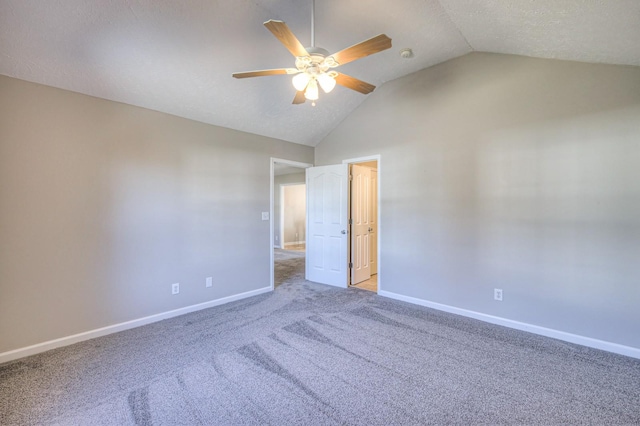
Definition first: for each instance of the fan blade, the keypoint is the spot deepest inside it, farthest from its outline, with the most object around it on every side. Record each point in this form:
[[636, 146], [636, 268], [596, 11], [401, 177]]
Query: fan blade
[[368, 47], [286, 37], [354, 84], [299, 99], [265, 72]]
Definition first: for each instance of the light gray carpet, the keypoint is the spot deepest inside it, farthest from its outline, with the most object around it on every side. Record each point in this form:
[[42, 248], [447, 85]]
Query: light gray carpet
[[288, 267], [313, 354]]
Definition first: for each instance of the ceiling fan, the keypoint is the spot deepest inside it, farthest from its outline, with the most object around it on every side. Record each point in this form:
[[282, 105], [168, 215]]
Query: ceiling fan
[[314, 65]]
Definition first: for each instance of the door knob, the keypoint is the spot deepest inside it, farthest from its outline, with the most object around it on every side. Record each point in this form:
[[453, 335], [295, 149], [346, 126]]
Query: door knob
[[343, 232]]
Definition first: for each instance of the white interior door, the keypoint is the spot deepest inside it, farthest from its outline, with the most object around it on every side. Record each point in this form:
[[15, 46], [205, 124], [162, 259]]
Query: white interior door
[[360, 226], [327, 216], [373, 223]]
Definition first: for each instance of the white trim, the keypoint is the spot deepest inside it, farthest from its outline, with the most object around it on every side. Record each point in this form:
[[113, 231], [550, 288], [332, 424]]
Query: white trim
[[92, 334], [295, 243], [281, 216], [364, 159], [306, 225], [535, 329], [271, 185], [378, 158]]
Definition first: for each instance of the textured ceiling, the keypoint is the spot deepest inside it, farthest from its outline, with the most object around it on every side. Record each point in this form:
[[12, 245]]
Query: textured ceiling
[[178, 56]]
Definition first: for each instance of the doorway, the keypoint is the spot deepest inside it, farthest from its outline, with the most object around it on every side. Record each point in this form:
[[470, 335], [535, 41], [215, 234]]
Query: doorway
[[363, 225], [329, 241], [288, 221]]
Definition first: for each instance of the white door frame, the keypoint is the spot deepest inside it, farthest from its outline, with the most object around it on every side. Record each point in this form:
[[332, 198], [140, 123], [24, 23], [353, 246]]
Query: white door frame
[[378, 158], [271, 227]]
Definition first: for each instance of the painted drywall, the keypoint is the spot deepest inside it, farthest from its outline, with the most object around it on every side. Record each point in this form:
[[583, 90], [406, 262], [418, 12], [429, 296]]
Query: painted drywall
[[291, 178], [509, 172], [295, 211], [103, 206]]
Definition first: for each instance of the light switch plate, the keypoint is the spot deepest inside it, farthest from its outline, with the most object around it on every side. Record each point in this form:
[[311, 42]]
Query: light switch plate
[[265, 215]]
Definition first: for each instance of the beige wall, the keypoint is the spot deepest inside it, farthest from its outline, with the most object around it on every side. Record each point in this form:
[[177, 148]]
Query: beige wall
[[295, 210], [509, 172], [497, 171], [103, 206], [278, 181]]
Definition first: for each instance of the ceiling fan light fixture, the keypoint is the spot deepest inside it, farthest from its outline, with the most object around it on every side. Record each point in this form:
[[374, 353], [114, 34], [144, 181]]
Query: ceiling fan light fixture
[[301, 81], [327, 82], [329, 62], [303, 62], [314, 64], [312, 90]]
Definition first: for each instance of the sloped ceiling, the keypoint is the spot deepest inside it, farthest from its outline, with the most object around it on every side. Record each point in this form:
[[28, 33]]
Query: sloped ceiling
[[178, 56]]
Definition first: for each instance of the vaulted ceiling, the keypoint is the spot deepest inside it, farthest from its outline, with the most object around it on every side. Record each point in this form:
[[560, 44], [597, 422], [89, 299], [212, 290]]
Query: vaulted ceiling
[[178, 56]]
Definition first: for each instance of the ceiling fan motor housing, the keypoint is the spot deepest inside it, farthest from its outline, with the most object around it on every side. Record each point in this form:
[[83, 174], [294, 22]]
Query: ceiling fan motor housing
[[317, 51]]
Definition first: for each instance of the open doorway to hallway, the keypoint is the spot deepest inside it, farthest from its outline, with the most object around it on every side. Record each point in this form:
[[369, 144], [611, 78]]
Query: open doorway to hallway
[[289, 255], [288, 216]]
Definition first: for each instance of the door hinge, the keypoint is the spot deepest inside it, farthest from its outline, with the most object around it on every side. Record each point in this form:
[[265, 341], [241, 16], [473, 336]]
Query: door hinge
[[350, 221], [350, 177], [350, 265]]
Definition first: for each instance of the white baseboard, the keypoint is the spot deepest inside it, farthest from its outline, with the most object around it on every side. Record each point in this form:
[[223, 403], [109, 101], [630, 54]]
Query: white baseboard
[[69, 340], [543, 331], [294, 243]]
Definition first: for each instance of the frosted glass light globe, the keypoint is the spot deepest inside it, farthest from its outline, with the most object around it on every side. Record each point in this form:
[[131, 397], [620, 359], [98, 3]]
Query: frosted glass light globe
[[300, 81]]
